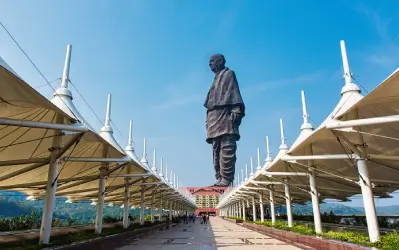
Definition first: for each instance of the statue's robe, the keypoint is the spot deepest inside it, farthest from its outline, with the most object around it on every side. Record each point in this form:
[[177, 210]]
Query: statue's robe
[[223, 98]]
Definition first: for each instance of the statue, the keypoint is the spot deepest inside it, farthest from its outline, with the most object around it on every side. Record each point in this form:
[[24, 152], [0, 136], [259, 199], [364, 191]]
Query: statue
[[225, 109]]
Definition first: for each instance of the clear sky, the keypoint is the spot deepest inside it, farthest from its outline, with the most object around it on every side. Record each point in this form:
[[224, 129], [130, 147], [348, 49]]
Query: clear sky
[[153, 57]]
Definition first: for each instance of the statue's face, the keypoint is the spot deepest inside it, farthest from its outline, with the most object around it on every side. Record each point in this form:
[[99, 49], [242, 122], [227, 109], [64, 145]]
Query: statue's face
[[216, 63]]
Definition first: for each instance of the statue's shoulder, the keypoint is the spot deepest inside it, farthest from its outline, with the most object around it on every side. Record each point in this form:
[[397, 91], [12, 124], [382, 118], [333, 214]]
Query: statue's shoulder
[[229, 73]]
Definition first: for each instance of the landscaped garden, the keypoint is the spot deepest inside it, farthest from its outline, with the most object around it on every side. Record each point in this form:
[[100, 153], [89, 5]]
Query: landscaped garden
[[81, 236], [387, 241]]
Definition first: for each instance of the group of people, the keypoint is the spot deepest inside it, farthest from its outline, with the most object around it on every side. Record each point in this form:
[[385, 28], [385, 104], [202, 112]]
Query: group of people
[[191, 217], [187, 218], [204, 219]]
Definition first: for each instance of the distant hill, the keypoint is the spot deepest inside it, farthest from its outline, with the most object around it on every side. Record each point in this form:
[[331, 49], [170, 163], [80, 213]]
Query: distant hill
[[9, 209], [394, 209], [336, 208], [14, 204], [339, 209]]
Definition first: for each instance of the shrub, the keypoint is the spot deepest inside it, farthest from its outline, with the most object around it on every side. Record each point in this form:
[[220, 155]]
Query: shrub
[[21, 222], [388, 241], [71, 221], [147, 223], [109, 219], [352, 237], [135, 225]]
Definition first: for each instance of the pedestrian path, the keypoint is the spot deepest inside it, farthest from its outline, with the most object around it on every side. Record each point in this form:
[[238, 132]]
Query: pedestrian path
[[218, 234]]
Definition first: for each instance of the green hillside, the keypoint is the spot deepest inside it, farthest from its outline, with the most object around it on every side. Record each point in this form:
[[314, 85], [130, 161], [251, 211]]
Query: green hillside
[[336, 208], [394, 209], [9, 209], [14, 204]]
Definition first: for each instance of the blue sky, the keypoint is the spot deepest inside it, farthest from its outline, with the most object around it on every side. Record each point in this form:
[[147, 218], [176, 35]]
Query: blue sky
[[153, 57]]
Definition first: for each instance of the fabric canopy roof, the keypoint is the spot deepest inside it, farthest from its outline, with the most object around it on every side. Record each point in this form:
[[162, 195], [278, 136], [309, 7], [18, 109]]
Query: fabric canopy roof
[[25, 150]]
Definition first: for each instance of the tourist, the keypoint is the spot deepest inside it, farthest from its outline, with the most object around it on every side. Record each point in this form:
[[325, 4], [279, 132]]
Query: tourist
[[185, 219]]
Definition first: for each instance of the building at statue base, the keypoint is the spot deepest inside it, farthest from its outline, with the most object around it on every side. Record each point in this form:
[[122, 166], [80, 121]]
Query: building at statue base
[[207, 199]]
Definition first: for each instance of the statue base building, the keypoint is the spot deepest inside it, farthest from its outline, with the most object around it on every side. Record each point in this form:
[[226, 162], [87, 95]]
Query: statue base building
[[206, 199]]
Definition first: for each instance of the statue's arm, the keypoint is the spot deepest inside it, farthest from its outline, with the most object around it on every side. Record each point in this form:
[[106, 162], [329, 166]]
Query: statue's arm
[[236, 114], [237, 109]]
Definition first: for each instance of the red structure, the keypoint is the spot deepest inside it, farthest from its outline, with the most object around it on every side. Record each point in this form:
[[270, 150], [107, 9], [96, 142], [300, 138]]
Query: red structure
[[206, 198]]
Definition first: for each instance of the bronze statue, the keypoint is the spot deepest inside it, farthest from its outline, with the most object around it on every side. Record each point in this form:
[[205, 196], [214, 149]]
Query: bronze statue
[[225, 109]]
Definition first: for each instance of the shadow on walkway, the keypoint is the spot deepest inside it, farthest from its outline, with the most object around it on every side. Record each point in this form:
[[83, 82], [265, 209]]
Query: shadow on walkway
[[218, 234]]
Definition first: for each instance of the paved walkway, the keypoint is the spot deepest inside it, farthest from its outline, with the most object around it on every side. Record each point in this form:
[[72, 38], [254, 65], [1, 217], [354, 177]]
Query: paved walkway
[[219, 234]]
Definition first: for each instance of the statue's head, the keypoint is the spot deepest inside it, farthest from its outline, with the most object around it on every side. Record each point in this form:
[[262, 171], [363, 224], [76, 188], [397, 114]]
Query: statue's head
[[217, 62]]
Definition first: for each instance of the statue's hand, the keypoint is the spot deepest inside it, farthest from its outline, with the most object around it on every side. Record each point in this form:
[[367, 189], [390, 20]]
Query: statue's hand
[[236, 118]]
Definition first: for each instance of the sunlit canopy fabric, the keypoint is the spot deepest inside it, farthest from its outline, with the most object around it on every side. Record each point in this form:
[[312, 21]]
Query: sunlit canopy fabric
[[324, 141], [20, 101], [381, 139], [338, 178], [76, 180]]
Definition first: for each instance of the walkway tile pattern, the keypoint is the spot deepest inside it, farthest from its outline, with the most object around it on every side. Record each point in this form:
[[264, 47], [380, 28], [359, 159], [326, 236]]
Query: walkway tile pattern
[[218, 234]]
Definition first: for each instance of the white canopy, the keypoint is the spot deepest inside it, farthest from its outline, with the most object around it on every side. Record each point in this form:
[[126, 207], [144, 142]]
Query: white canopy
[[28, 121]]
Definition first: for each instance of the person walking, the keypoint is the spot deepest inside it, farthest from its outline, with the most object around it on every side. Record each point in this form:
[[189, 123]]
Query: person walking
[[204, 218], [185, 219]]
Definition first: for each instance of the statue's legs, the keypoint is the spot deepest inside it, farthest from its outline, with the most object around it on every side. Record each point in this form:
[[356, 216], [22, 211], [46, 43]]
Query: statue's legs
[[216, 157], [228, 147]]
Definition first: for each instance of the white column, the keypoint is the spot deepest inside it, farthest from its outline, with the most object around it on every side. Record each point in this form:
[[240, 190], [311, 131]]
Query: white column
[[239, 209], [152, 206], [170, 211], [272, 210], [100, 202], [243, 210], [288, 204], [126, 206], [368, 200], [51, 188], [167, 207], [315, 202], [142, 206], [253, 209], [160, 210], [262, 212]]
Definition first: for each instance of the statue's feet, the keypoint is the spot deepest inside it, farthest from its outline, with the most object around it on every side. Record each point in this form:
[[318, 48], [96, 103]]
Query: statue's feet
[[224, 183], [217, 182]]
